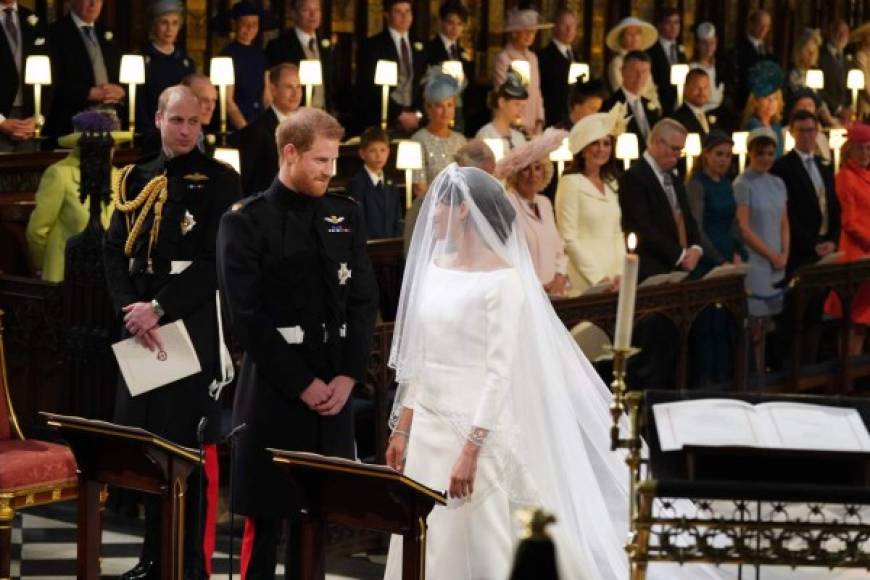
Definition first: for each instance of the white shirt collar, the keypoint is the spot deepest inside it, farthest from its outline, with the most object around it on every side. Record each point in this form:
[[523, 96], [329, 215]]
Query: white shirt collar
[[281, 116], [696, 110], [630, 97], [397, 40], [78, 21], [563, 48], [805, 156], [756, 42], [448, 44], [304, 37], [375, 177], [655, 166], [666, 44], [13, 6]]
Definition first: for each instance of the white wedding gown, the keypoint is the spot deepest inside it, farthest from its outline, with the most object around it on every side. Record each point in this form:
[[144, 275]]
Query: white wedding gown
[[469, 337]]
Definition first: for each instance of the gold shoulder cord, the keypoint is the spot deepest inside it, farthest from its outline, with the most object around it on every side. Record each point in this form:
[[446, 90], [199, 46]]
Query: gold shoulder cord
[[153, 194]]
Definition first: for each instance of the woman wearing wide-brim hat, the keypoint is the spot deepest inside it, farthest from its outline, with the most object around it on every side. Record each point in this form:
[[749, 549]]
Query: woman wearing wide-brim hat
[[630, 34], [59, 213], [521, 28]]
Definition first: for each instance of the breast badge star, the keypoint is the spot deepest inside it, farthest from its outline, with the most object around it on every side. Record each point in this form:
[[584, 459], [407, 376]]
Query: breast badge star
[[344, 274]]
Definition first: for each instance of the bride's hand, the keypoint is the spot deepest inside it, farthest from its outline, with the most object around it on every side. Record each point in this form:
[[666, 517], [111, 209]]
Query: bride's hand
[[464, 471], [396, 452]]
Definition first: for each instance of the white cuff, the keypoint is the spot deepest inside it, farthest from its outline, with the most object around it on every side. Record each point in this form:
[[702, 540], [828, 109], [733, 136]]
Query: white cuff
[[2, 119]]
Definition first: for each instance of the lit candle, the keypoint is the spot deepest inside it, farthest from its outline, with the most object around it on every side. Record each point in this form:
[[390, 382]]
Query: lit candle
[[627, 294]]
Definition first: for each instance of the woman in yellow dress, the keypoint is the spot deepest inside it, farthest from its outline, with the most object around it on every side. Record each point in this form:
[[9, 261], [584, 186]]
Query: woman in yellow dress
[[59, 214]]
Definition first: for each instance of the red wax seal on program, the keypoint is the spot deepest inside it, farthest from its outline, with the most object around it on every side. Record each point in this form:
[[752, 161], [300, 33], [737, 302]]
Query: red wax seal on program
[[161, 355]]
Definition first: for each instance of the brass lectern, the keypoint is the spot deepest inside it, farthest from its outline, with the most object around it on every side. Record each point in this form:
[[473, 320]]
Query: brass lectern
[[130, 458], [358, 495]]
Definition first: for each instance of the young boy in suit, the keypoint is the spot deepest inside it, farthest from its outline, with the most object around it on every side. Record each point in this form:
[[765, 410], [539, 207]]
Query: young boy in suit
[[380, 199]]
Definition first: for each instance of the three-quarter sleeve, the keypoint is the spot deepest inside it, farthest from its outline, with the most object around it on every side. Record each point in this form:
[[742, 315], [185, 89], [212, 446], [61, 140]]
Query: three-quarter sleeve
[[504, 303]]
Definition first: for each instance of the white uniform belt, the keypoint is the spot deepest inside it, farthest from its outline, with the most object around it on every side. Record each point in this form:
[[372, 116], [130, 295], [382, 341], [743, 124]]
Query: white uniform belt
[[296, 335]]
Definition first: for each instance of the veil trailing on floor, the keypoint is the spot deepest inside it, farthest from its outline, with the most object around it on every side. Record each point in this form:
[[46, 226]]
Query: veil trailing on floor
[[544, 416]]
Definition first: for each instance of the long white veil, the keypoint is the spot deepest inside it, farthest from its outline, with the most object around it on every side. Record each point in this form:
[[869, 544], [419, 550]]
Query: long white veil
[[552, 437]]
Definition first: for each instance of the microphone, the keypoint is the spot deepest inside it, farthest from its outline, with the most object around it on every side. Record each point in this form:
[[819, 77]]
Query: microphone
[[236, 430], [200, 429]]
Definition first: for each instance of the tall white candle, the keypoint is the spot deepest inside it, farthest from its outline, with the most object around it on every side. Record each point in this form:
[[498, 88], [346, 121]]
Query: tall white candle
[[627, 294]]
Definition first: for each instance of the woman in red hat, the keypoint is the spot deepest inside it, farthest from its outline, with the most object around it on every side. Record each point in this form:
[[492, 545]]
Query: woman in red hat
[[853, 191]]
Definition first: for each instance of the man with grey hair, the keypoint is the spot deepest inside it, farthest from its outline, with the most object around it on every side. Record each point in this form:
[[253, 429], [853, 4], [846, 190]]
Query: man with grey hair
[[160, 268], [655, 207], [835, 67]]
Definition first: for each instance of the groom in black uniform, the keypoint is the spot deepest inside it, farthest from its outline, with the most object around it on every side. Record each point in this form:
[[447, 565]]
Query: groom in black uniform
[[302, 297], [162, 270]]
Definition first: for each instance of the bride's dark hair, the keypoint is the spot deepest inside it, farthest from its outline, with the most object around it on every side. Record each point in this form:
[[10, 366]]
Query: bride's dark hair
[[490, 198]]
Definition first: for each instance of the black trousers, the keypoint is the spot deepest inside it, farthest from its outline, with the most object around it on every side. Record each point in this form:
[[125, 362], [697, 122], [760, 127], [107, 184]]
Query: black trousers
[[260, 553], [194, 559]]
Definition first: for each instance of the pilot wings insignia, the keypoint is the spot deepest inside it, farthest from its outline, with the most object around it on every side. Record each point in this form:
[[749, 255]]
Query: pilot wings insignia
[[334, 219]]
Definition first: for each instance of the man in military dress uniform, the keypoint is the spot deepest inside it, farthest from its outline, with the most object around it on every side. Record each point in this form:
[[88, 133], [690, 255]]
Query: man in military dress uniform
[[159, 255], [302, 296]]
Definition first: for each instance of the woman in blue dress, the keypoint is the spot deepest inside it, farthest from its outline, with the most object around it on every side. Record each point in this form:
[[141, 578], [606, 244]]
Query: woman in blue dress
[[166, 63], [711, 198], [763, 222], [249, 96]]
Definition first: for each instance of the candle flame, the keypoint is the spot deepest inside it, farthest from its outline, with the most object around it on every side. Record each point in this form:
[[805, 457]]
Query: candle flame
[[632, 242]]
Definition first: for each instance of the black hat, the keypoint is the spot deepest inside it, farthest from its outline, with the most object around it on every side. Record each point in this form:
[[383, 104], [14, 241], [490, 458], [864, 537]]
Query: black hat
[[244, 8], [513, 87]]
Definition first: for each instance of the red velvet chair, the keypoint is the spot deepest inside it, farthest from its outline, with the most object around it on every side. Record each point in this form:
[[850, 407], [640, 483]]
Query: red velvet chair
[[32, 472]]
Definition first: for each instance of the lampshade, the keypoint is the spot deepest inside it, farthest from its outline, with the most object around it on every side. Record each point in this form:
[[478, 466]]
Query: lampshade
[[37, 70], [522, 68], [576, 71], [678, 74], [387, 73], [739, 139], [454, 69], [221, 71], [409, 155], [837, 138], [693, 144], [562, 153], [229, 156], [132, 70], [788, 142], [627, 146], [815, 79], [855, 80], [310, 72], [497, 148]]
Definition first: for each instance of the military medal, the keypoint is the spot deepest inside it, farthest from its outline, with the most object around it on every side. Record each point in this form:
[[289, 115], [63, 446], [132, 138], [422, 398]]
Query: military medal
[[344, 274], [187, 223]]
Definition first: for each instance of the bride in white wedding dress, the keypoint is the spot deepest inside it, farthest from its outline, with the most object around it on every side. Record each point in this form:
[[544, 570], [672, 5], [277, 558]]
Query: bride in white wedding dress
[[497, 405]]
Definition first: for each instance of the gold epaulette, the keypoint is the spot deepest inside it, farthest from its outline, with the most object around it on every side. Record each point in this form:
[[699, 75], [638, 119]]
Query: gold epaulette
[[154, 194]]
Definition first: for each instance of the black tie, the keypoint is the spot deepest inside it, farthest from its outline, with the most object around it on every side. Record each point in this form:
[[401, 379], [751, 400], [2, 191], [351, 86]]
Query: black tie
[[11, 29], [312, 47], [454, 51], [380, 186], [570, 54], [673, 53]]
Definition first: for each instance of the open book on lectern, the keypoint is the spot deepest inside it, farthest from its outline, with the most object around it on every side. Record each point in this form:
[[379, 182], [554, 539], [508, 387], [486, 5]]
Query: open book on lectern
[[775, 425]]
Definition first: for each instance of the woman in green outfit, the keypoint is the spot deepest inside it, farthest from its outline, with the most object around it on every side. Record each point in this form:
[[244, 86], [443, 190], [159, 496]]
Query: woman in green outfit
[[59, 214]]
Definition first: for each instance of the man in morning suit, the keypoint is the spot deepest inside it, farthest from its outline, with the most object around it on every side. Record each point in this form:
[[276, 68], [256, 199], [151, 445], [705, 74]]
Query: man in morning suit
[[691, 114], [303, 300], [665, 53], [256, 141], [84, 66], [452, 18], [655, 207], [397, 44], [554, 61], [813, 218], [747, 52], [22, 36], [303, 43], [161, 272], [635, 73], [835, 67]]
